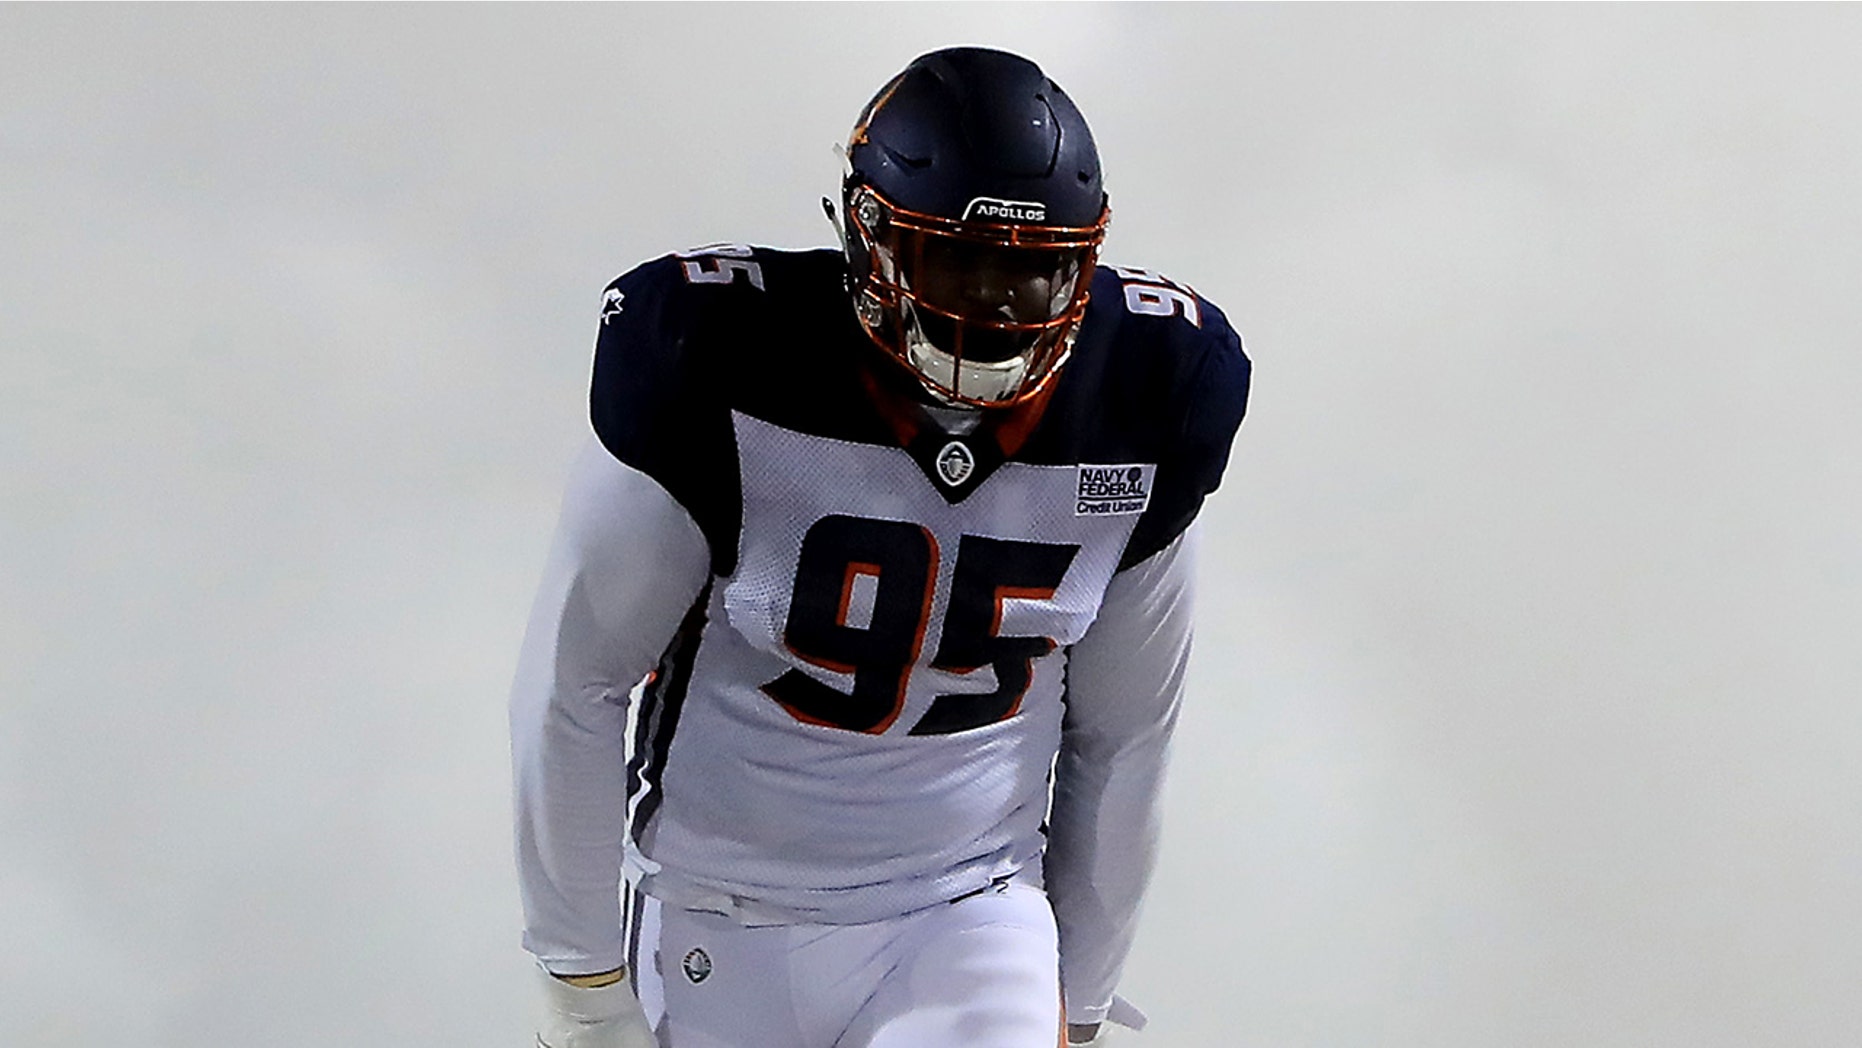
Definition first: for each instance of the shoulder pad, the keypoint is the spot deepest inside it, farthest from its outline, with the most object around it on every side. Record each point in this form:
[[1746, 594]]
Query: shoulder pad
[[678, 338], [654, 398], [1179, 345]]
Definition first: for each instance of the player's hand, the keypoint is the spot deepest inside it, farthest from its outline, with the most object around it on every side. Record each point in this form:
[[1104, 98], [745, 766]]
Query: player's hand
[[592, 1016]]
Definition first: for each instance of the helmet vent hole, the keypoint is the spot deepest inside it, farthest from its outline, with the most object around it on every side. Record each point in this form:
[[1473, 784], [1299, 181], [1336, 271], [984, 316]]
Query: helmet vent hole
[[915, 163]]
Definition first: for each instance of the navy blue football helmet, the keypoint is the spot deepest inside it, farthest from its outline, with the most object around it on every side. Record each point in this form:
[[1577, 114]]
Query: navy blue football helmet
[[974, 211]]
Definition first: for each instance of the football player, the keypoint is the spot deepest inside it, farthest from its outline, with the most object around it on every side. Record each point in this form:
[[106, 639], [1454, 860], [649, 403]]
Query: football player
[[862, 636]]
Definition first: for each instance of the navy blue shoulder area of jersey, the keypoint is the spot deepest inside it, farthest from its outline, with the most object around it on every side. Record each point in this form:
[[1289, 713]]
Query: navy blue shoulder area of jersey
[[1157, 375], [687, 337]]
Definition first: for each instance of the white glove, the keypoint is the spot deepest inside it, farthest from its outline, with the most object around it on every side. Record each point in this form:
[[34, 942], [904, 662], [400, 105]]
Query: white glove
[[1122, 1013], [592, 1017]]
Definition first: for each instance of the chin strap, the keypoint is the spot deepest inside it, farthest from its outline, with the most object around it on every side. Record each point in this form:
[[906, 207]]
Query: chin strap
[[840, 230], [827, 205]]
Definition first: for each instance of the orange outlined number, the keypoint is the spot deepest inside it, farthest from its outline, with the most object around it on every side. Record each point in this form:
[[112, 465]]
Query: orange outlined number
[[838, 553], [990, 571], [862, 606]]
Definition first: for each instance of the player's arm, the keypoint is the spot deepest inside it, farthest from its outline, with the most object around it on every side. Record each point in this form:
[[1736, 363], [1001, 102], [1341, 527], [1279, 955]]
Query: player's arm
[[1125, 683], [1125, 676], [625, 565]]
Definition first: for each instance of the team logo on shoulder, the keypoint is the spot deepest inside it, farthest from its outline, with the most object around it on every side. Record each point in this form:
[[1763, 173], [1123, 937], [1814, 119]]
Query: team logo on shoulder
[[697, 965], [955, 463], [611, 304], [1113, 491], [991, 209]]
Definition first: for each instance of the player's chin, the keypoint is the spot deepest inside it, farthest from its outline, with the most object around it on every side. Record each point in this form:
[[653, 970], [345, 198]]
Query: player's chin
[[980, 344]]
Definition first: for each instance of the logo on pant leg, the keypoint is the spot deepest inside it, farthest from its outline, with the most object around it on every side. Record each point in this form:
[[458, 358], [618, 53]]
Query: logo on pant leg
[[697, 965]]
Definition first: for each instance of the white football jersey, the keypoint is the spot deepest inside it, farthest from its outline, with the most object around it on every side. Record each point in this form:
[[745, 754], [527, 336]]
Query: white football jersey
[[868, 722], [893, 659]]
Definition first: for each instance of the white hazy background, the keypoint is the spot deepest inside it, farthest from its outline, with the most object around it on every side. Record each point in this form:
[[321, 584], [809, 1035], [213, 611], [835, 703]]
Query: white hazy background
[[1528, 702]]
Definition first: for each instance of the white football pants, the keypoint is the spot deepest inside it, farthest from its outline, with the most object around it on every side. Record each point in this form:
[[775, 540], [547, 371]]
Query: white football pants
[[978, 972]]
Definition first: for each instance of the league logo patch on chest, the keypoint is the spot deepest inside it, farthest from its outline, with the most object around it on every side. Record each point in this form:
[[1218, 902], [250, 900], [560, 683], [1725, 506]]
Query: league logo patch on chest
[[955, 463], [1113, 491]]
